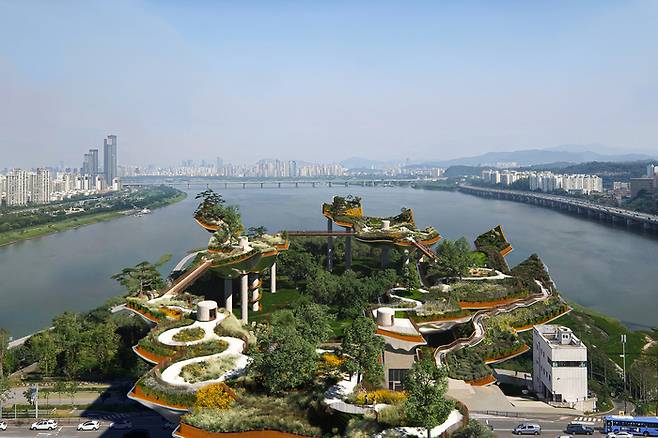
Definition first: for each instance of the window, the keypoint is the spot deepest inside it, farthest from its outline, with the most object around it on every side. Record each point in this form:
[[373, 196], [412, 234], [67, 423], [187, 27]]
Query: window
[[395, 379]]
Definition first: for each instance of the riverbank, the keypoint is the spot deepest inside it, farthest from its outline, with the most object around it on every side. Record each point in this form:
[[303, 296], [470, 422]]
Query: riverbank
[[14, 236]]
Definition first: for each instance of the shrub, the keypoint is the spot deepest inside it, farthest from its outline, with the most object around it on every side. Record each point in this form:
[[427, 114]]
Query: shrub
[[211, 369], [215, 396], [391, 416], [231, 327], [189, 335], [332, 361], [380, 396]]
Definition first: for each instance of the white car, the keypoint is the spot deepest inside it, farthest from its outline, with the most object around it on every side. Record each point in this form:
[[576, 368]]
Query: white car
[[121, 425], [44, 425], [89, 425], [620, 435], [3, 425]]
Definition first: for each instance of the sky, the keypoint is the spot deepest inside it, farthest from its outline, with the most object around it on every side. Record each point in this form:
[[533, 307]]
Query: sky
[[323, 80]]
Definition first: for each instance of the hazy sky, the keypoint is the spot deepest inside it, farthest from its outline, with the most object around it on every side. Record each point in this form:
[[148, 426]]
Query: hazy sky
[[323, 80]]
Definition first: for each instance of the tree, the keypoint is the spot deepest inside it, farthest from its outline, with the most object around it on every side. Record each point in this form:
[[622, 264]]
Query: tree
[[298, 265], [72, 390], [426, 386], [453, 259], [256, 231], [474, 429], [284, 360], [313, 321], [140, 279], [60, 388], [45, 349], [4, 344], [410, 276], [362, 347]]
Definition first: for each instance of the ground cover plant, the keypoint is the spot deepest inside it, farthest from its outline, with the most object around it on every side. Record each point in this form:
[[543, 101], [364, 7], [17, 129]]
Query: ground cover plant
[[466, 364], [189, 335], [211, 369]]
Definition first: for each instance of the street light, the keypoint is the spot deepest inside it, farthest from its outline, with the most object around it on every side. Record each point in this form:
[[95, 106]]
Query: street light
[[623, 355]]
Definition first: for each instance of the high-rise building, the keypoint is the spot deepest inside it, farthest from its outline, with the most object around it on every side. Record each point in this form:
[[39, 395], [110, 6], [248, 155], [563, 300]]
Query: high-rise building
[[93, 162], [17, 187], [110, 158], [42, 187]]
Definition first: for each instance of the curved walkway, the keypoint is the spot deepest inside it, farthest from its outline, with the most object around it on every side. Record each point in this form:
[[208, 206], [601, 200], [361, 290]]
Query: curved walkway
[[171, 374]]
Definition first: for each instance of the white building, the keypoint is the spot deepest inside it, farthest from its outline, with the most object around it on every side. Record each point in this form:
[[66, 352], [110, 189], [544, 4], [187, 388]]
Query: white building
[[42, 187], [559, 362], [17, 187]]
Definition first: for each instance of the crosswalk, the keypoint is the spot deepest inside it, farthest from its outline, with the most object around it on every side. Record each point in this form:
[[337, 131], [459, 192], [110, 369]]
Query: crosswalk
[[588, 419]]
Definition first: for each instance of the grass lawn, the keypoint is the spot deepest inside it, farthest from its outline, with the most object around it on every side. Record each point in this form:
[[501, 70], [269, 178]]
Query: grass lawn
[[285, 296], [605, 333]]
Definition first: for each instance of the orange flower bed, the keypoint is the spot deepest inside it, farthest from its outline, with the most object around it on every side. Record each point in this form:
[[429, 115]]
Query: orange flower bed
[[138, 393], [483, 381], [507, 356], [150, 356], [171, 313], [487, 304], [187, 431], [145, 315]]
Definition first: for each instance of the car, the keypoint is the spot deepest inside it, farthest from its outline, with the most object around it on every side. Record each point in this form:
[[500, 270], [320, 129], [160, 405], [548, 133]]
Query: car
[[621, 434], [579, 429], [564, 436], [44, 425], [3, 425], [527, 429], [121, 425], [89, 425]]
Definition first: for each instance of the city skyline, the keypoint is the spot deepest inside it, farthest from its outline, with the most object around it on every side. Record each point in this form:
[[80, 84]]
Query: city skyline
[[276, 79]]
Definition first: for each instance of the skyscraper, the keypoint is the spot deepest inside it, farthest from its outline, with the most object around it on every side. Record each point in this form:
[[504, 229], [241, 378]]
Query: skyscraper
[[42, 187], [17, 187], [110, 158], [93, 163]]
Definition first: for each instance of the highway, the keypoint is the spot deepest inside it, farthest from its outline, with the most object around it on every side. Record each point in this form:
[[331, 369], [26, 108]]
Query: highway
[[565, 200], [503, 426]]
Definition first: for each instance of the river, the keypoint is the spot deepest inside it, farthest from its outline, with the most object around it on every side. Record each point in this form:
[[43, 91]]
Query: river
[[609, 269]]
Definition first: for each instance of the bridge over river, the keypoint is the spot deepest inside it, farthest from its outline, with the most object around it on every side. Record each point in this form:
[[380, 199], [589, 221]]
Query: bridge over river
[[615, 215]]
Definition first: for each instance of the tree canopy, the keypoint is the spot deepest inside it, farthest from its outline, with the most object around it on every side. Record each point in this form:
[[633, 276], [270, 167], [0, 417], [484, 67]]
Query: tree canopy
[[426, 386], [362, 348], [453, 259], [143, 277]]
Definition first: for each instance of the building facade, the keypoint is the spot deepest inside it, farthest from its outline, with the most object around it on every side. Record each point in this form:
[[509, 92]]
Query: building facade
[[110, 158], [559, 362]]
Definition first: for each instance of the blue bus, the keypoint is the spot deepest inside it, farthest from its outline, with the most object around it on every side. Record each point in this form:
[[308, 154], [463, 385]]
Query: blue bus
[[644, 426]]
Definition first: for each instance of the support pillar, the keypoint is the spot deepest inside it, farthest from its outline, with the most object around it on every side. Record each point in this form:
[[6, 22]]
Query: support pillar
[[244, 301], [228, 294], [330, 246], [273, 278], [255, 293], [348, 249], [385, 256]]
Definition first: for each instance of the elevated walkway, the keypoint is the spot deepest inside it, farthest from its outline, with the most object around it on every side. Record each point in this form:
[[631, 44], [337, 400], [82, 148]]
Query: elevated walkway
[[188, 278]]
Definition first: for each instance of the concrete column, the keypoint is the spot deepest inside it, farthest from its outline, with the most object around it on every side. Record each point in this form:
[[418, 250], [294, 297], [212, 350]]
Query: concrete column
[[244, 295], [406, 257], [385, 256], [348, 250], [228, 293], [255, 293], [273, 278], [330, 246]]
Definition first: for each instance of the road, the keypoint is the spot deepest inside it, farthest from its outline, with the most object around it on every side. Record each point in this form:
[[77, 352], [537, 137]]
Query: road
[[503, 426], [153, 424]]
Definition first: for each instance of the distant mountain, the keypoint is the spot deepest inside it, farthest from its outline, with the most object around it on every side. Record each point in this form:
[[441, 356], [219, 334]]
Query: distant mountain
[[365, 163], [532, 157]]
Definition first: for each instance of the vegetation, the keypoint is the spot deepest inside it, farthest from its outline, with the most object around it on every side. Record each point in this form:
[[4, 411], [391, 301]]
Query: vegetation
[[212, 211], [362, 349], [211, 369], [214, 396], [499, 341], [150, 343], [453, 259], [142, 278], [27, 223], [426, 405], [533, 269], [466, 364], [189, 335], [283, 358], [474, 429]]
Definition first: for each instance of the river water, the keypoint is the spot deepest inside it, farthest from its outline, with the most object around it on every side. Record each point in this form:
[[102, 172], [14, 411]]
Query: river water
[[608, 269]]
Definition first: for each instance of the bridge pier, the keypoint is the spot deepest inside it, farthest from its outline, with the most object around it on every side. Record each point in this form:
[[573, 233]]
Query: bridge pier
[[348, 250], [273, 278], [629, 223], [261, 185], [255, 292], [244, 185], [296, 184], [313, 184], [279, 185], [329, 183], [330, 246], [347, 184], [244, 298], [228, 294], [226, 185]]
